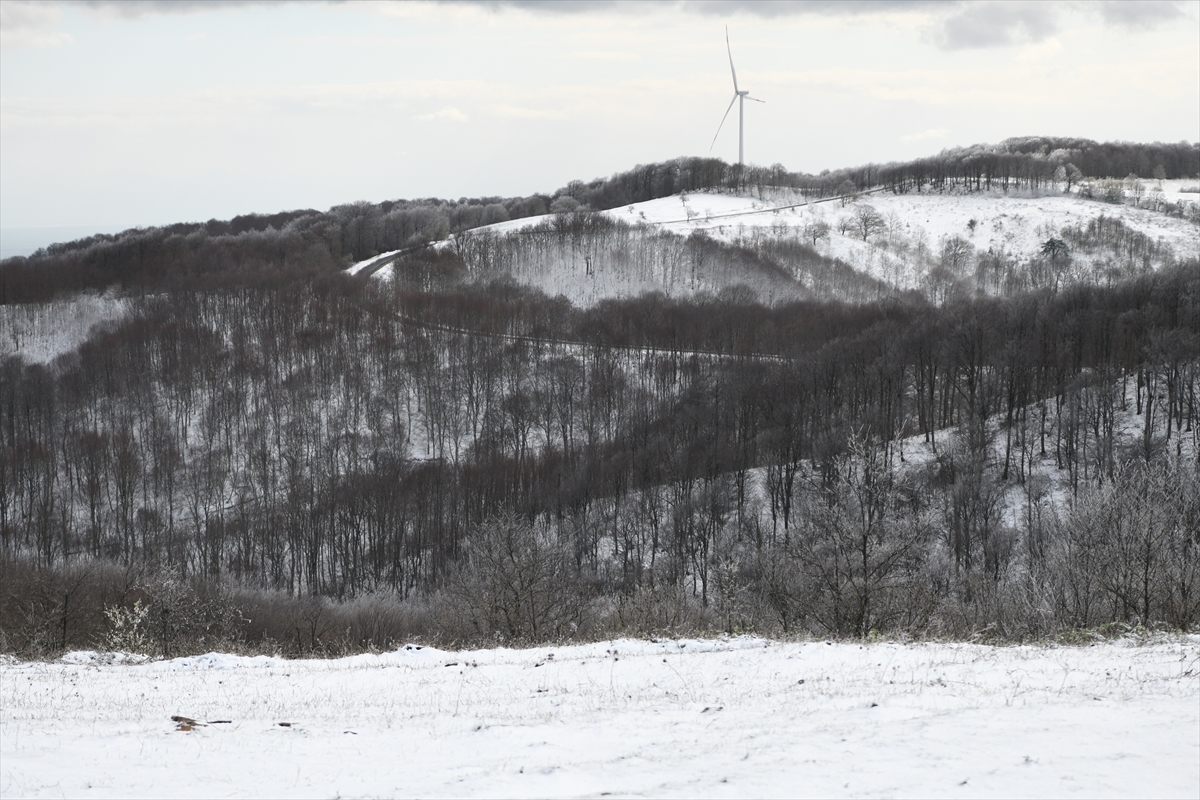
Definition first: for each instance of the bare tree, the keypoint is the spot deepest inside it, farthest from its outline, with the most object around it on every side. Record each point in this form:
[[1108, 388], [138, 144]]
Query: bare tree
[[859, 537], [816, 230], [867, 221], [956, 254], [518, 582]]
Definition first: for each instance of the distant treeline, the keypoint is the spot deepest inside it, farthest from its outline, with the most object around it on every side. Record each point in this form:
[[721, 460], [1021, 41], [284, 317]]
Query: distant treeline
[[308, 241], [1033, 162]]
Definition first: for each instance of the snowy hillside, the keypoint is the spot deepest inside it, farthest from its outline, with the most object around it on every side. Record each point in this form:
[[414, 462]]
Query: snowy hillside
[[1016, 222], [40, 332], [738, 717], [987, 242]]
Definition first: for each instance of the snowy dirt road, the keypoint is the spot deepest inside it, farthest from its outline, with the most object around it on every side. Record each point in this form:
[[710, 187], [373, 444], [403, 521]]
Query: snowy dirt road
[[729, 718]]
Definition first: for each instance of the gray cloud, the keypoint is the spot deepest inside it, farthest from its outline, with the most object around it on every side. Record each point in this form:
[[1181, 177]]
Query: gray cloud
[[548, 6], [1010, 22], [24, 24], [1143, 14], [134, 9], [997, 24], [957, 25], [961, 24], [759, 8], [779, 8]]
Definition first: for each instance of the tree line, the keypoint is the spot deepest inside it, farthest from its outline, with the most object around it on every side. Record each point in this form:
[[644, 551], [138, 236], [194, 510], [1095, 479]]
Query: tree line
[[313, 241]]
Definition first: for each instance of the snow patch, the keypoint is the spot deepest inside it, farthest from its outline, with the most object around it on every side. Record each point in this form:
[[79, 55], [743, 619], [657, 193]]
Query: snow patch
[[40, 332], [369, 263]]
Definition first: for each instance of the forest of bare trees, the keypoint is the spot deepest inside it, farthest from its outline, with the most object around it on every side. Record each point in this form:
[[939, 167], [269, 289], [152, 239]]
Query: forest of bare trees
[[331, 462], [263, 451]]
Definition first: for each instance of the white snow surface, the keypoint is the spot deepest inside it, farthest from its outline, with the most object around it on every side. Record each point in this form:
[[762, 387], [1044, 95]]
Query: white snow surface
[[718, 718], [1016, 221], [40, 332], [367, 263], [1010, 224]]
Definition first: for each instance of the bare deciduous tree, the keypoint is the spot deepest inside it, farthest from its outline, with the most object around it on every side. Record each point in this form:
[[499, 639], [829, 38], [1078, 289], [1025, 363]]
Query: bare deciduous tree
[[867, 221]]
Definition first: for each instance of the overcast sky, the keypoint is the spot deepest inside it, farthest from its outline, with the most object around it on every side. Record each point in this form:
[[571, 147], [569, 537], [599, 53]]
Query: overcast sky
[[121, 114]]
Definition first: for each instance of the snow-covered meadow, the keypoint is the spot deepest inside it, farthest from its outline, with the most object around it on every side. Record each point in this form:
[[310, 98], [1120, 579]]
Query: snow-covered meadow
[[735, 717]]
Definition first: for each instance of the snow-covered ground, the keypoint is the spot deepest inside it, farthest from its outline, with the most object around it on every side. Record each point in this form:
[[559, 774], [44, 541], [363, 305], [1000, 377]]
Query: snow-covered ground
[[739, 717], [371, 263], [1016, 221], [1011, 225], [40, 332], [1013, 220], [1018, 225]]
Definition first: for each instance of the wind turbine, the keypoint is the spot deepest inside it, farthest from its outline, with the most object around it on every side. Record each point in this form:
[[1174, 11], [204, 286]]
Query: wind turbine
[[739, 97]]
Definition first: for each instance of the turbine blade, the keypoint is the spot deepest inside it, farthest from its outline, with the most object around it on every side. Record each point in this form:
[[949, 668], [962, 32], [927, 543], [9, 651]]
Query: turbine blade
[[718, 133], [730, 50], [755, 99]]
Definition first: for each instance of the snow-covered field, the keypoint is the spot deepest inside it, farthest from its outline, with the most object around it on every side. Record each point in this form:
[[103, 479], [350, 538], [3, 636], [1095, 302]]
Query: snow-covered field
[[737, 717]]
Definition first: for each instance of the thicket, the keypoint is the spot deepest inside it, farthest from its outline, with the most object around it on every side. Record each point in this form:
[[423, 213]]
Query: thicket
[[334, 464]]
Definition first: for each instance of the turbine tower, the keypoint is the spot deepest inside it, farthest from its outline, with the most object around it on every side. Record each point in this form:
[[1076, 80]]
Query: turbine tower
[[739, 97]]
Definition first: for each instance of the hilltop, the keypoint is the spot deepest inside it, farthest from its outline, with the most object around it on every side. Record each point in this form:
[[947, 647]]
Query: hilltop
[[258, 247]]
